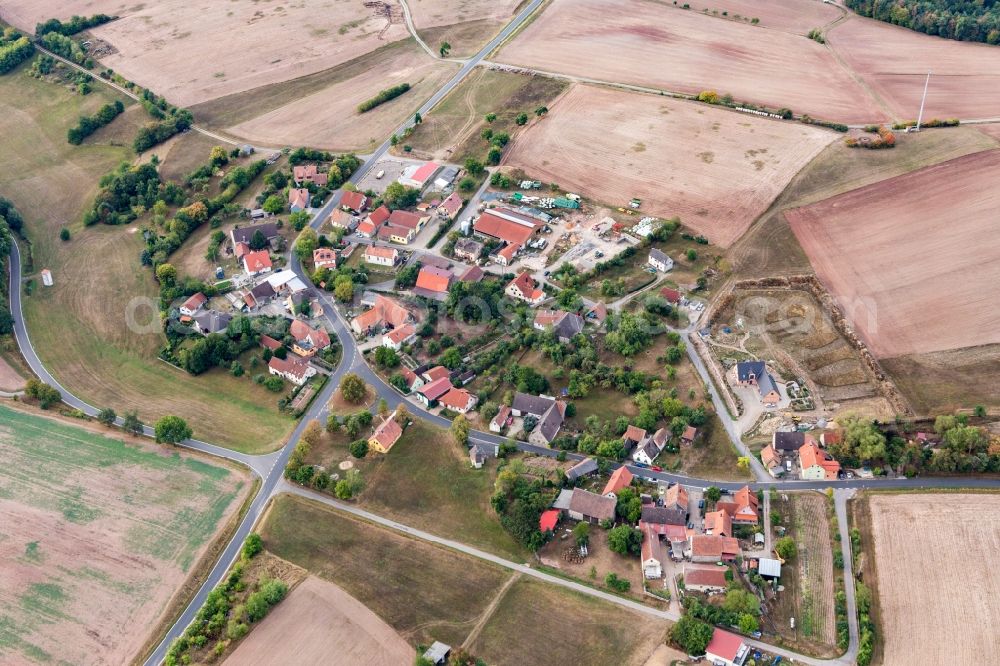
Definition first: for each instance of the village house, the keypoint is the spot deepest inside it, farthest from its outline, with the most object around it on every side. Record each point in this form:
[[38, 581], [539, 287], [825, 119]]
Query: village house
[[524, 288], [207, 322], [385, 313], [712, 548], [789, 442], [664, 515], [412, 379], [502, 420], [385, 435], [430, 393], [445, 177], [676, 499], [755, 373], [307, 340], [408, 220], [472, 274], [435, 373], [726, 649], [620, 479], [816, 464], [591, 507], [397, 337], [829, 438], [505, 256], [257, 263], [565, 325], [459, 400], [193, 304], [341, 219], [659, 261], [309, 173], [467, 249], [324, 257], [549, 412], [393, 233], [356, 202], [381, 256], [633, 436], [268, 232], [298, 199], [433, 282], [417, 175], [451, 206], [743, 507], [286, 282], [671, 296], [647, 452], [718, 523], [771, 460], [585, 467], [651, 554], [705, 579], [478, 454], [293, 369], [259, 295], [370, 225], [690, 434]]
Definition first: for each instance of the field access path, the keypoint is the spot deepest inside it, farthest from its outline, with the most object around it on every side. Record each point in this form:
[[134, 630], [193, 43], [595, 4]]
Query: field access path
[[270, 467]]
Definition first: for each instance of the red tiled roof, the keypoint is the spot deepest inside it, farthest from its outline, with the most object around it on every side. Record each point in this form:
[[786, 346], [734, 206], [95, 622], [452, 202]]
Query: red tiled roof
[[324, 255], [379, 215], [436, 373], [509, 251], [811, 456], [387, 231], [676, 496], [548, 520], [709, 576], [436, 388], [474, 274], [724, 645], [302, 331], [452, 204], [388, 433], [672, 295], [634, 433], [397, 335], [195, 301], [769, 456], [354, 200], [268, 342], [298, 197], [620, 478], [525, 284], [381, 252], [456, 398], [690, 433], [425, 171], [404, 218], [502, 415], [719, 523], [492, 224], [434, 279], [291, 365], [367, 228], [385, 311], [255, 262]]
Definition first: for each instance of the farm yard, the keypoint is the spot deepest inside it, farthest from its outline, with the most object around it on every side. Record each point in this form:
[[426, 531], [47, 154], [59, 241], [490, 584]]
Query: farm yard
[[565, 626], [79, 326], [717, 170], [628, 42], [97, 546], [306, 120], [894, 62], [318, 619], [191, 55], [942, 213], [790, 329], [943, 540]]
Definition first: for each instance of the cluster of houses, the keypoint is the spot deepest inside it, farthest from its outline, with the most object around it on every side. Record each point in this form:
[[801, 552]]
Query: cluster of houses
[[790, 448]]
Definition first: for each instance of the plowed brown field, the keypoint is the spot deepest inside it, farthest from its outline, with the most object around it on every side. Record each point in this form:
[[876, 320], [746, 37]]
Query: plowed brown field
[[938, 586], [914, 260], [643, 42], [718, 170]]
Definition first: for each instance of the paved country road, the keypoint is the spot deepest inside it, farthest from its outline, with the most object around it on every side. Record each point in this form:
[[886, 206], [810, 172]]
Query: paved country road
[[269, 467]]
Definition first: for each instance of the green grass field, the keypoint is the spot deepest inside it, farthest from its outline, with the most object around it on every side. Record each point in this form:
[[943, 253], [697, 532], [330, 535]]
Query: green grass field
[[98, 533], [80, 327], [424, 592]]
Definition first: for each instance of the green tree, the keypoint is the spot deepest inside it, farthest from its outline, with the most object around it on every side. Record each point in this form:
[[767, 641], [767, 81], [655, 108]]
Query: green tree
[[353, 388], [493, 157], [398, 196], [692, 635], [741, 601], [349, 486], [258, 241], [343, 288], [712, 494], [45, 395], [522, 119], [417, 118], [467, 184], [299, 219], [490, 117], [307, 241], [444, 49], [131, 423], [274, 204], [451, 358], [692, 255], [748, 623], [785, 548], [474, 167], [460, 430], [166, 275], [252, 546], [581, 532], [236, 369], [541, 111], [386, 357], [64, 234], [171, 430], [359, 448], [107, 416], [625, 540], [486, 133], [979, 411]]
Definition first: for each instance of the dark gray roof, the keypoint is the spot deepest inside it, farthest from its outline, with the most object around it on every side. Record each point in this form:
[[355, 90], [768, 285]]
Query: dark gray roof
[[212, 321], [757, 371], [535, 405], [651, 449], [262, 291], [661, 515], [244, 234], [550, 422], [569, 325], [659, 255], [582, 468], [788, 441]]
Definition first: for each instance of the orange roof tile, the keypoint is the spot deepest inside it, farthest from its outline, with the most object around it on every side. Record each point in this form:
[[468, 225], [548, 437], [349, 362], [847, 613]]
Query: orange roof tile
[[620, 478]]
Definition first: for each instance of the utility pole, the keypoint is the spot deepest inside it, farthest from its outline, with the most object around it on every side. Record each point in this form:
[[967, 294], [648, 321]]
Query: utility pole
[[923, 99]]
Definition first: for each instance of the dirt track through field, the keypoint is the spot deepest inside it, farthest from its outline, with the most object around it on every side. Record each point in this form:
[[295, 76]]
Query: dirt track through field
[[923, 278], [718, 170], [316, 622], [939, 586]]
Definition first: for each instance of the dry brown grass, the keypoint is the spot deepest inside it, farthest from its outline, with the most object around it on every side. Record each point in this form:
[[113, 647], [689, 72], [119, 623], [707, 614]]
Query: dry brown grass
[[942, 382], [927, 549], [718, 170], [943, 214]]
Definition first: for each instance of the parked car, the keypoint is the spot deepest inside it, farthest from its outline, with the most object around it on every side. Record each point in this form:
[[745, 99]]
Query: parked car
[[690, 526], [701, 504], [656, 468]]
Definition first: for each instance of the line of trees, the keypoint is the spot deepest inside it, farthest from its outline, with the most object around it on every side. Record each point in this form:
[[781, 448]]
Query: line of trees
[[383, 97], [964, 20], [10, 223], [154, 133], [14, 52], [87, 125], [66, 47], [74, 25]]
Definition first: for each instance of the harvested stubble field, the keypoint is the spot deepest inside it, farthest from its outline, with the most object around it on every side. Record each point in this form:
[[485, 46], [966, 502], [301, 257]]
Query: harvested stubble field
[[943, 214], [939, 618], [718, 170], [570, 629], [465, 24], [306, 120], [195, 52], [424, 592], [795, 16], [97, 545], [809, 580], [316, 621], [647, 43], [771, 249], [942, 382], [894, 62]]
